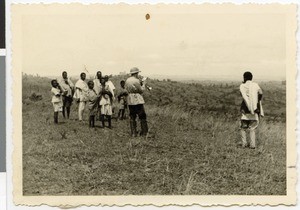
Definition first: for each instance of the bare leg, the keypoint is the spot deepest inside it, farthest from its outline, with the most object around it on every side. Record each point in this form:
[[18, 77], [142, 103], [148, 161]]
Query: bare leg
[[119, 114], [109, 121], [90, 121], [93, 121], [63, 112], [56, 117], [123, 112], [102, 120], [68, 112]]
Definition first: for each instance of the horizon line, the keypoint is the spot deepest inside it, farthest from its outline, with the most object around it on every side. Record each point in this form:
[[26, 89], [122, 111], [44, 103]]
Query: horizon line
[[176, 77]]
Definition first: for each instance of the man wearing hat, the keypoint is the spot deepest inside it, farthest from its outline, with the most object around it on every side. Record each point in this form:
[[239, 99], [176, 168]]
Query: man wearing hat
[[136, 102]]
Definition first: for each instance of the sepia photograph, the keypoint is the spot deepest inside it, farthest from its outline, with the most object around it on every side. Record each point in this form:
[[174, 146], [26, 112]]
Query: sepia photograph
[[151, 104]]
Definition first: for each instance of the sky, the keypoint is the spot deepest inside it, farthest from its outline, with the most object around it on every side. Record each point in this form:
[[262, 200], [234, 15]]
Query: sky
[[191, 44]]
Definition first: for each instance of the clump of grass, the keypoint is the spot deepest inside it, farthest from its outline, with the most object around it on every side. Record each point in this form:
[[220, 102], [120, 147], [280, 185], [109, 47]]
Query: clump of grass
[[35, 97], [63, 134]]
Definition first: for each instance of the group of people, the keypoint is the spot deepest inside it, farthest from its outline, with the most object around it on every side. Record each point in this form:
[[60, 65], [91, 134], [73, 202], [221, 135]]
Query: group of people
[[98, 96]]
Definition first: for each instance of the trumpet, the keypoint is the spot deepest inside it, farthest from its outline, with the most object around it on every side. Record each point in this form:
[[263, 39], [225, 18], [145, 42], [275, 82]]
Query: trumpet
[[143, 83]]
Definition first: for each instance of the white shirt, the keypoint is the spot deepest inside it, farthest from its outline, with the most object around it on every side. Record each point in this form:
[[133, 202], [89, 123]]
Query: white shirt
[[56, 96], [134, 88]]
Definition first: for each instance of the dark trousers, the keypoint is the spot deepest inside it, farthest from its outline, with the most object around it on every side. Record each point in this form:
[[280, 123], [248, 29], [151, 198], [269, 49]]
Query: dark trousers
[[137, 110], [134, 111]]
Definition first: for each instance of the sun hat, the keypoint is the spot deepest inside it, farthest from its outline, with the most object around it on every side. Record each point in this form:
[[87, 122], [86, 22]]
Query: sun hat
[[134, 70]]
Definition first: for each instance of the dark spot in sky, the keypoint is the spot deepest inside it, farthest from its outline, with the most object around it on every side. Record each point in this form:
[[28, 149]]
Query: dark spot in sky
[[147, 16]]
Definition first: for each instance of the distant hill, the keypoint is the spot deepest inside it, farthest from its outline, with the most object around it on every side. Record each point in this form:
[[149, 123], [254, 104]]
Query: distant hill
[[181, 78], [194, 97], [196, 78]]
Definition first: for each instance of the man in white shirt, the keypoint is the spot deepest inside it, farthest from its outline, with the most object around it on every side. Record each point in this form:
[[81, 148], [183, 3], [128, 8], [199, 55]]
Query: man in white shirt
[[81, 90], [251, 109], [136, 102]]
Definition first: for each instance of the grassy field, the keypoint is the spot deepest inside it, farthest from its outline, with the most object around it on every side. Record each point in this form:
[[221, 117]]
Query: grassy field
[[194, 149]]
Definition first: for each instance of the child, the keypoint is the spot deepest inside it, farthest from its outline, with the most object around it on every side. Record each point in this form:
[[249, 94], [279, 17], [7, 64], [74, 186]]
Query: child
[[93, 99], [56, 99], [105, 103], [122, 99]]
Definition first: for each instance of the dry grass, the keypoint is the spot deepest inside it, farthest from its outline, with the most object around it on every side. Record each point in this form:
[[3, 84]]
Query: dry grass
[[189, 155]]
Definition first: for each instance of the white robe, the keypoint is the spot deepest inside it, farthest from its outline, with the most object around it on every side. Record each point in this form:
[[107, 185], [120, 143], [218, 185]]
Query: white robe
[[81, 90], [66, 87], [250, 91]]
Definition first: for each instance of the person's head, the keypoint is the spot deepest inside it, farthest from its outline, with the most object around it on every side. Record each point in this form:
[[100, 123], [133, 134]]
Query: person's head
[[247, 76], [102, 81], [65, 75], [134, 72], [54, 83], [106, 78], [82, 76], [91, 84], [99, 74], [122, 83]]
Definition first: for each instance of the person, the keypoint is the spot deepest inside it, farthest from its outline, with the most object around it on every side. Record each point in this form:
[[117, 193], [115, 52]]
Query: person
[[105, 103], [136, 102], [111, 88], [110, 85], [56, 99], [68, 89], [97, 88], [93, 100], [80, 95], [97, 82], [122, 99], [251, 109]]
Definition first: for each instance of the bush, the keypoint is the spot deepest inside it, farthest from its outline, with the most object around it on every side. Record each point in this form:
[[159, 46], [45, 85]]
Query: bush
[[35, 97]]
